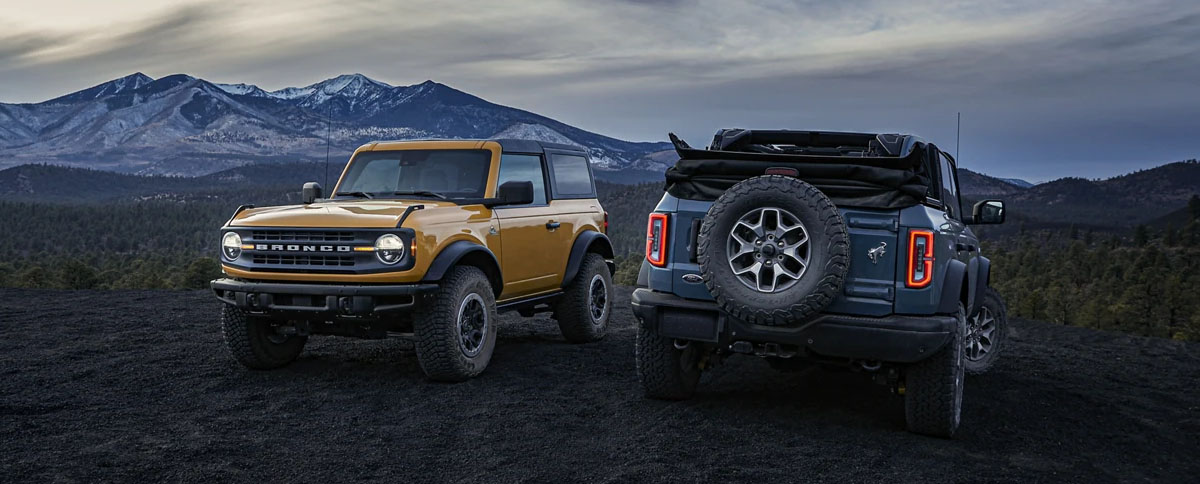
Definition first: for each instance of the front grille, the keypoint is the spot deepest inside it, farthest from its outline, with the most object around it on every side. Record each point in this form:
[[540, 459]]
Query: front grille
[[304, 260], [301, 236]]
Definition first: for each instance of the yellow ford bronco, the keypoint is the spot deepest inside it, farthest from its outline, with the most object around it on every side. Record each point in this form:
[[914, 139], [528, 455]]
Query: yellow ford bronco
[[425, 240]]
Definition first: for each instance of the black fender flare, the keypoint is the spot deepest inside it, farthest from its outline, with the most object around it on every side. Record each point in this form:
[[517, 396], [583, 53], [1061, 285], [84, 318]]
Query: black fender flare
[[470, 253], [587, 241], [983, 276], [952, 287]]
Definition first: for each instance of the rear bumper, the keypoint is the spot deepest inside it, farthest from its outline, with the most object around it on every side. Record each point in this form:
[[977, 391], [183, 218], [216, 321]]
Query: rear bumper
[[895, 338], [305, 301]]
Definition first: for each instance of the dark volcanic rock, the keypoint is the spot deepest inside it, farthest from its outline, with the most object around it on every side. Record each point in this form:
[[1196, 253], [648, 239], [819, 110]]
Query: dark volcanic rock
[[138, 386]]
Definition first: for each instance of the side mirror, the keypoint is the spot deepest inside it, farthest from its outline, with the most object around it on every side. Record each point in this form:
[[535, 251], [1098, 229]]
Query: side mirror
[[988, 212], [513, 193], [310, 193]]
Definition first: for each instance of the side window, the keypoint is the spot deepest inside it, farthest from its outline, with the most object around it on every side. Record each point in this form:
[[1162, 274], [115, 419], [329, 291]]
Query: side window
[[572, 179], [524, 168], [950, 188], [930, 165]]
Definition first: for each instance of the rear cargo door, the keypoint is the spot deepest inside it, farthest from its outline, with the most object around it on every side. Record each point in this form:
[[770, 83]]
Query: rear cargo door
[[870, 287]]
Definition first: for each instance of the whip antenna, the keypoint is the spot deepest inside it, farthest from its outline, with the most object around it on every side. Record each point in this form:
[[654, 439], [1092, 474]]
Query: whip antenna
[[328, 127]]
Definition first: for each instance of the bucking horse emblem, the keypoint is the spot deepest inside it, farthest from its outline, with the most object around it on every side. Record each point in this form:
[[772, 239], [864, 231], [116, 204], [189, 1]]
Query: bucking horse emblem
[[877, 253]]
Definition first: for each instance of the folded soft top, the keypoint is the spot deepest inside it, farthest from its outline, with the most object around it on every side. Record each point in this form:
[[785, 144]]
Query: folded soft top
[[852, 169]]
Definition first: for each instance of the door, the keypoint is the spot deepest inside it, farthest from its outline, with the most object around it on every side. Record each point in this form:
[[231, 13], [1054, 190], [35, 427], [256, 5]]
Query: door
[[966, 245], [533, 247]]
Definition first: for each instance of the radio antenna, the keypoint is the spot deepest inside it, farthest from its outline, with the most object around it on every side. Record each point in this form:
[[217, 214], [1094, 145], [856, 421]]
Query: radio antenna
[[328, 128], [957, 138]]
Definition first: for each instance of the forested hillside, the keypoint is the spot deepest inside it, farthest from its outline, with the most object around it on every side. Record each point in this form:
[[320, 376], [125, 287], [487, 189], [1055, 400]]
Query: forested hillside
[[75, 228]]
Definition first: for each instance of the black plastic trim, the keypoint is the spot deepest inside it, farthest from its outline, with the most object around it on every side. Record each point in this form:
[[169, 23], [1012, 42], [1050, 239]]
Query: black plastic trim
[[336, 300], [952, 286], [583, 243], [982, 277], [453, 253], [895, 338], [527, 301]]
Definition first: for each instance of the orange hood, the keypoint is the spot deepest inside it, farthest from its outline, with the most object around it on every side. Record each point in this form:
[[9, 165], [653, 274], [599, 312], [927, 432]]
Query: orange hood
[[349, 214]]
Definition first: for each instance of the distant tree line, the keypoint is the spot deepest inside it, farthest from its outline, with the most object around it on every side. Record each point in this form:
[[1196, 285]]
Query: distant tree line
[[1145, 284], [1144, 281]]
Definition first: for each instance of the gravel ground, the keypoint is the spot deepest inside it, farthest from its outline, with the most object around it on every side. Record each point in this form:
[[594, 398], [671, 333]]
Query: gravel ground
[[138, 386]]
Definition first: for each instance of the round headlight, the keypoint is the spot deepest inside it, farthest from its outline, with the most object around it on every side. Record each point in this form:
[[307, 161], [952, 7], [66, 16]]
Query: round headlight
[[231, 245], [389, 248]]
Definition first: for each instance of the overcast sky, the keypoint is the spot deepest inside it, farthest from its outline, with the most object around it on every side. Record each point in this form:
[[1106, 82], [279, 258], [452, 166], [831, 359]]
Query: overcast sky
[[1046, 89]]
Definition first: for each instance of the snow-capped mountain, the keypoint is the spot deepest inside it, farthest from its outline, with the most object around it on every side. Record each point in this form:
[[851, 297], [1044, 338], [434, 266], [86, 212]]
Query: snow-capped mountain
[[183, 125]]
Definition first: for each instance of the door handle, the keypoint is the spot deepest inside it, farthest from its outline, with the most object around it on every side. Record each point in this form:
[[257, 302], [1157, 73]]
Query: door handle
[[551, 225]]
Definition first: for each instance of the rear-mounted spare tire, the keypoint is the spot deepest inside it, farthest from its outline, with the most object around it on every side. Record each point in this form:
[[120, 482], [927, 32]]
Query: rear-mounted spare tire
[[773, 250]]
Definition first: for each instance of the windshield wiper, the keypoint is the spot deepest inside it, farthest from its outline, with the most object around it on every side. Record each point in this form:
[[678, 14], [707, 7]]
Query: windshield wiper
[[422, 193], [355, 194]]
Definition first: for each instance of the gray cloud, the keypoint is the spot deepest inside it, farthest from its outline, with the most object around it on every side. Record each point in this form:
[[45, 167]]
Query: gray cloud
[[1042, 85]]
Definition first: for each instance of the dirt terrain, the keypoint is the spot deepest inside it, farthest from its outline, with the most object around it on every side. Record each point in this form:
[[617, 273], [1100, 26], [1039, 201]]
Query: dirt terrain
[[138, 386]]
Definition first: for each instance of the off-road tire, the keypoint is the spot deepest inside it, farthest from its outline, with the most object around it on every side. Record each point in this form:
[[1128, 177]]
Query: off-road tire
[[829, 257], [435, 326], [934, 387], [573, 309], [999, 310], [666, 372], [249, 340]]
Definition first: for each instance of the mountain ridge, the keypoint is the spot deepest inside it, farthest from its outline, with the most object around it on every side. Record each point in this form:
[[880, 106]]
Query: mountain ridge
[[183, 125]]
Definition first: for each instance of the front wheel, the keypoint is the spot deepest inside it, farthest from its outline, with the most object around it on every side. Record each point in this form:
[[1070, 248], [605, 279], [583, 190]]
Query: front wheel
[[933, 388], [456, 330], [667, 371], [258, 343], [986, 333]]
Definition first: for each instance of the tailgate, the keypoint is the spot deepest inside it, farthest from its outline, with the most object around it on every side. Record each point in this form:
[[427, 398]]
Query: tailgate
[[870, 287]]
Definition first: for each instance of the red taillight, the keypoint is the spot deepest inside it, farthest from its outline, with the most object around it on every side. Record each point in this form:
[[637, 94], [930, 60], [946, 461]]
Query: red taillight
[[656, 239], [606, 221], [920, 258]]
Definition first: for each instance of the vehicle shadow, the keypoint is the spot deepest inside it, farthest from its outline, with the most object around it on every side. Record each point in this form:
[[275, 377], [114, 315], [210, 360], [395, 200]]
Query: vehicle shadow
[[811, 396]]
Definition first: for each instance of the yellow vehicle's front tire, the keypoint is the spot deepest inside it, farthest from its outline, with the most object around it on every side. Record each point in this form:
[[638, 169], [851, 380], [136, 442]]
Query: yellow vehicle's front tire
[[586, 305], [256, 342], [456, 329]]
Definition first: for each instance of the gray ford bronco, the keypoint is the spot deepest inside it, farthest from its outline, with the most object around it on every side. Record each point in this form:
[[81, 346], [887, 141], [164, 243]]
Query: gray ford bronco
[[802, 247]]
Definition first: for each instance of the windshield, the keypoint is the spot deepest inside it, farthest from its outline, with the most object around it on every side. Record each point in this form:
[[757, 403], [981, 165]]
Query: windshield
[[419, 173]]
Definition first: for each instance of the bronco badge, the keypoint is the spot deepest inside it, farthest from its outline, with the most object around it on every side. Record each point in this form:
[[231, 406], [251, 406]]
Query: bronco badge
[[877, 252], [692, 278]]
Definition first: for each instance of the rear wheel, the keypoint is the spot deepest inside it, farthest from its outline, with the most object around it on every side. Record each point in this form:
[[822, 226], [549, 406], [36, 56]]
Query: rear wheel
[[456, 331], [585, 307], [986, 331], [259, 343], [934, 387], [667, 371]]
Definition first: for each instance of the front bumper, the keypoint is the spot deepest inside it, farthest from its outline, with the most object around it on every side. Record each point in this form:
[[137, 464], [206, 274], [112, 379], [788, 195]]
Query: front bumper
[[896, 338], [324, 301]]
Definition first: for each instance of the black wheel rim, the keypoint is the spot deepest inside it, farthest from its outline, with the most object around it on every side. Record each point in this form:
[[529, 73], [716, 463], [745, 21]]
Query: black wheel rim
[[472, 325], [598, 299]]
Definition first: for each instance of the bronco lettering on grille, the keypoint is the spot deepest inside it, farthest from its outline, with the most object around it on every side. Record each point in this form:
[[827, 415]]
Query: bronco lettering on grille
[[303, 248]]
